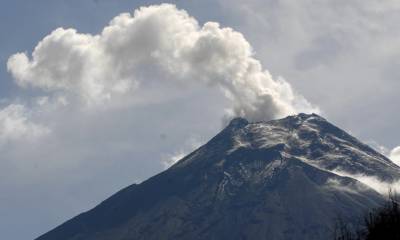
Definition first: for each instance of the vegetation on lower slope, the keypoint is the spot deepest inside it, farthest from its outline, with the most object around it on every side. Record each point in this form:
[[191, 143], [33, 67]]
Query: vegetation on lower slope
[[379, 224]]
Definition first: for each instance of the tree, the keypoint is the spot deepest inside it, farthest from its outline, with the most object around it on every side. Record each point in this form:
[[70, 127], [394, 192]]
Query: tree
[[379, 224]]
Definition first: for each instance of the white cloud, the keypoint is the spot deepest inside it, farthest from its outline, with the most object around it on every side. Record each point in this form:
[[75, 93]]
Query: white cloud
[[15, 125], [395, 155], [172, 159], [189, 146], [153, 45], [373, 182], [337, 184]]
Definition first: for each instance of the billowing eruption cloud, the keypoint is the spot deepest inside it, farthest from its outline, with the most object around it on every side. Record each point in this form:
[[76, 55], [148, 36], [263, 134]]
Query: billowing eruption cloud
[[155, 44]]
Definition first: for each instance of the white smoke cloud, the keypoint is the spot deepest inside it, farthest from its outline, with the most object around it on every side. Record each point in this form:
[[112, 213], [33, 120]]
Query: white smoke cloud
[[395, 155], [15, 124], [152, 45]]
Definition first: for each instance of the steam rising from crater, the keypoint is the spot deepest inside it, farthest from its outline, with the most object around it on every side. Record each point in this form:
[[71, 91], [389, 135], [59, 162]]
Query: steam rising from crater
[[153, 45]]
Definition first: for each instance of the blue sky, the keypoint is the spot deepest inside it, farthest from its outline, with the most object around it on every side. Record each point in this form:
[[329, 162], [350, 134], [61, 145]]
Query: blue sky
[[62, 155]]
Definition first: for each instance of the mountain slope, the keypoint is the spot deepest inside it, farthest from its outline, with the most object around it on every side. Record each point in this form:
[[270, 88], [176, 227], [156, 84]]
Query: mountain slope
[[264, 180]]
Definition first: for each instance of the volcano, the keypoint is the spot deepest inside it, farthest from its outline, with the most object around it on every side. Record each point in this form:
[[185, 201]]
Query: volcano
[[262, 180]]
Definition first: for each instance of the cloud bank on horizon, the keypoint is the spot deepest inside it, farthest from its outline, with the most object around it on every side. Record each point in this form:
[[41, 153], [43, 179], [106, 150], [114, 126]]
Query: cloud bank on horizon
[[155, 44]]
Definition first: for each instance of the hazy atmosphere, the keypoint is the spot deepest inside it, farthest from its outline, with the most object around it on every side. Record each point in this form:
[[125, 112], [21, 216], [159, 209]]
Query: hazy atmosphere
[[97, 94]]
